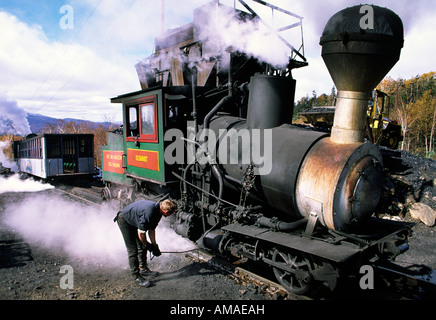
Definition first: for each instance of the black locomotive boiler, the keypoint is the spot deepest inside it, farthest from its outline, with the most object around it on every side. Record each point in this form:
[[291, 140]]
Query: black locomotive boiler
[[296, 199]]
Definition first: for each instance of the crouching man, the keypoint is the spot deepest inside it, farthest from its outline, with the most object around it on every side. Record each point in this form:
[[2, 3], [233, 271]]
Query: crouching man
[[135, 221]]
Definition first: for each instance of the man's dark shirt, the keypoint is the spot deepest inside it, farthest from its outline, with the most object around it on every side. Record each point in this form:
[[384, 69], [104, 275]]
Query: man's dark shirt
[[144, 215]]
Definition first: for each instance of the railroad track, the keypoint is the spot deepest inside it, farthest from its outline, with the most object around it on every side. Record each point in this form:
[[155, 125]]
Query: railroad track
[[392, 281]]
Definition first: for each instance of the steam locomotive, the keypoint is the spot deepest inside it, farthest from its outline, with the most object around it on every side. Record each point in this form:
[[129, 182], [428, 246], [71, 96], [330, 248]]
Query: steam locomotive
[[214, 132]]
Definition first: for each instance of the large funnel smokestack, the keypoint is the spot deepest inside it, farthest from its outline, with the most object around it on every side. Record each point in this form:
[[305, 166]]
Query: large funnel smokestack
[[359, 46]]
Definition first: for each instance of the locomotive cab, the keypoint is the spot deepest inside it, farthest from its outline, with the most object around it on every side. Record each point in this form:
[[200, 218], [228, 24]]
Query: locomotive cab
[[135, 153]]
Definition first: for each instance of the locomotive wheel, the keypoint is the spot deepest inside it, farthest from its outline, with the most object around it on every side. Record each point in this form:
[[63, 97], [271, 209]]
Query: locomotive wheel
[[106, 194], [295, 276]]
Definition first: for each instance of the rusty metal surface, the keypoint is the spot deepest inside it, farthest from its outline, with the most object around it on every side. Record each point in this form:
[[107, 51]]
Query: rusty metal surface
[[328, 170], [350, 116]]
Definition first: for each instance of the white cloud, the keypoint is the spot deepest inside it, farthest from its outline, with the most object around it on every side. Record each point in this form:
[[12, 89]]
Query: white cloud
[[59, 79], [417, 55], [419, 51]]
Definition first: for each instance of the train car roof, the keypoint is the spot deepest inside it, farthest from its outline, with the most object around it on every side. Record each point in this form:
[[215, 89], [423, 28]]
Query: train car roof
[[34, 135]]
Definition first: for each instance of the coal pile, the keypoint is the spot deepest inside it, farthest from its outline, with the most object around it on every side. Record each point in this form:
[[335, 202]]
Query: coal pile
[[410, 192]]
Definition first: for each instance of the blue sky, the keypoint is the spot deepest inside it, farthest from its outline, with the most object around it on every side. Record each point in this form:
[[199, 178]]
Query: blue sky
[[46, 14], [74, 73]]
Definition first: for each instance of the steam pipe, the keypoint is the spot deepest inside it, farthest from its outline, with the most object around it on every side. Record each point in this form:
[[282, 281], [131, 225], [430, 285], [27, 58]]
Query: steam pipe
[[214, 110], [194, 98], [185, 176], [230, 77], [280, 225], [223, 101], [215, 170]]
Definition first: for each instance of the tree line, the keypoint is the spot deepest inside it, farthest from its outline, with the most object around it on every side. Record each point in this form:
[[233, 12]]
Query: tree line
[[411, 102]]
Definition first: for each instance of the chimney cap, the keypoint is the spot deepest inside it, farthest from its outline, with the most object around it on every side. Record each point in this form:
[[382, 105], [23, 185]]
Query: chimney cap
[[357, 58], [383, 25]]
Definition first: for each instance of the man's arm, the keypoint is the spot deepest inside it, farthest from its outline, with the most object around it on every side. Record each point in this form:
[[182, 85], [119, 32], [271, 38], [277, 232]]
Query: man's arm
[[154, 247], [152, 236], [143, 237]]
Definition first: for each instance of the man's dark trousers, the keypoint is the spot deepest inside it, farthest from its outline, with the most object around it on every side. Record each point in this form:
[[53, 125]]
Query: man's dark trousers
[[135, 249]]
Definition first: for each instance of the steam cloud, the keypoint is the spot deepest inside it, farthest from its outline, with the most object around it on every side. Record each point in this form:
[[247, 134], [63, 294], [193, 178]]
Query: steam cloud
[[86, 233], [225, 30], [15, 184], [13, 119], [4, 160]]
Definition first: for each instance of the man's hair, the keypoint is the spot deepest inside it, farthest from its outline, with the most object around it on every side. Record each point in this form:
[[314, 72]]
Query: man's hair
[[168, 205]]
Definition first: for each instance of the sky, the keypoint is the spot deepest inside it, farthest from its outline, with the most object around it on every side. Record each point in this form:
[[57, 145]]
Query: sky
[[67, 58]]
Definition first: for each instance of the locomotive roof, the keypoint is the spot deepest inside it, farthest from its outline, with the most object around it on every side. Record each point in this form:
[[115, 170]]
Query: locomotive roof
[[172, 92]]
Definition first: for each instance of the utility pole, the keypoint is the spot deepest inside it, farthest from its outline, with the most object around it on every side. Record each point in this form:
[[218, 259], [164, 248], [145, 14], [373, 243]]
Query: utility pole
[[162, 17]]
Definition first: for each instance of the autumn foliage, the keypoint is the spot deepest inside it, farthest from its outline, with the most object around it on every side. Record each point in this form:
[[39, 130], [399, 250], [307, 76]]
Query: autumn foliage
[[413, 104]]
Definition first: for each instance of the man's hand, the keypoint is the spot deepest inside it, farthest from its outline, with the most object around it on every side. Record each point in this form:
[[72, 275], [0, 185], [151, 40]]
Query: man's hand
[[152, 247], [143, 238], [155, 249]]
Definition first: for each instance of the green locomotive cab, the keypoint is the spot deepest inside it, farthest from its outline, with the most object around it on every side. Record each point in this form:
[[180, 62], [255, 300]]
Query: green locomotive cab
[[134, 154]]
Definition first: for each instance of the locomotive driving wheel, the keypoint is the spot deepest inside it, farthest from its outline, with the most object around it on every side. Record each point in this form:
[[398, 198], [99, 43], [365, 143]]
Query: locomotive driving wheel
[[293, 271]]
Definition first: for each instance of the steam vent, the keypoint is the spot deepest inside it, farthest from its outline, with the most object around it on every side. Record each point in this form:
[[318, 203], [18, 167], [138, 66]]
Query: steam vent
[[358, 59]]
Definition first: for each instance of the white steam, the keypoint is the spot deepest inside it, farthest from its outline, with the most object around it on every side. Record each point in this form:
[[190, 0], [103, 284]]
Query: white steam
[[13, 119], [15, 184], [4, 160], [226, 31], [86, 233]]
